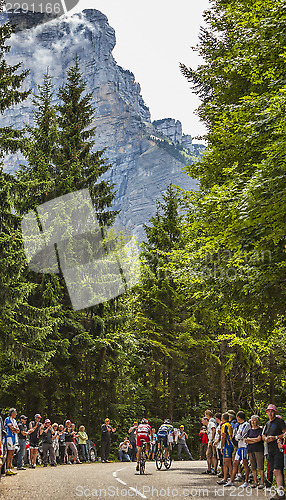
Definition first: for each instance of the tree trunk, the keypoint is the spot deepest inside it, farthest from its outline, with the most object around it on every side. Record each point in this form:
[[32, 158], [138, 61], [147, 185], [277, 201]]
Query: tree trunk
[[223, 389], [271, 379], [171, 388]]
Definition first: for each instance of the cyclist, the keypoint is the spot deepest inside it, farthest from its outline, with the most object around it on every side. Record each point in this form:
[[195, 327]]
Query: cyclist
[[143, 433], [163, 434]]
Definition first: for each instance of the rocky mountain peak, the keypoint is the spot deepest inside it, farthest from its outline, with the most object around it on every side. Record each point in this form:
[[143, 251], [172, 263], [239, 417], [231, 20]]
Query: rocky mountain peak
[[144, 160]]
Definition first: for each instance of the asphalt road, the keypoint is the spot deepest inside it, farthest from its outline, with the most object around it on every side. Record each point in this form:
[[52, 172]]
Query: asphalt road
[[119, 481]]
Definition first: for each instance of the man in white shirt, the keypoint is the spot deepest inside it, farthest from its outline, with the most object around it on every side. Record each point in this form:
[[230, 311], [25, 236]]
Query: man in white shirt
[[241, 453]]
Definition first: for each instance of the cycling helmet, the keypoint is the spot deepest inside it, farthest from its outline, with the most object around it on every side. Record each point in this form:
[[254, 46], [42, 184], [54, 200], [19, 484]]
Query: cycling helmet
[[144, 421], [167, 421]]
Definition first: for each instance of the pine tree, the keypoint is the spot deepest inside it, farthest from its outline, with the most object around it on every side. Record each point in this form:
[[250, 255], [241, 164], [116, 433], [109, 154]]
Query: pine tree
[[10, 83], [77, 166], [23, 327], [160, 304]]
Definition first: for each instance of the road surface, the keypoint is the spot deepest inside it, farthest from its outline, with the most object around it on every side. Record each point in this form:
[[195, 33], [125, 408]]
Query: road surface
[[119, 481]]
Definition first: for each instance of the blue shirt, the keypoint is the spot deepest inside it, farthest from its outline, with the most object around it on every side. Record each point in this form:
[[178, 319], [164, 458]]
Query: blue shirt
[[9, 432]]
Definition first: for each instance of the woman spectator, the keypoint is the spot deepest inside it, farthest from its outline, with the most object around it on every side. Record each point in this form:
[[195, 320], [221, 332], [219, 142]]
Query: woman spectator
[[36, 430], [255, 450], [70, 446], [203, 438], [82, 441], [56, 440]]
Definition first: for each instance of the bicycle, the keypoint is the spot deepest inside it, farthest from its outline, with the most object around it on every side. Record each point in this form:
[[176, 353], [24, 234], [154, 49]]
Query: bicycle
[[160, 458], [143, 458]]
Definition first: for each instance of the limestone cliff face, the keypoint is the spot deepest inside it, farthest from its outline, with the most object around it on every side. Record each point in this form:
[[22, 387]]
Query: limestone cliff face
[[141, 169]]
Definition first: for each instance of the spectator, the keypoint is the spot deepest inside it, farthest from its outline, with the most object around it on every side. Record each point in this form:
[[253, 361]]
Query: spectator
[[123, 451], [211, 451], [182, 444], [56, 440], [82, 442], [47, 443], [217, 442], [274, 430], [62, 443], [255, 449], [203, 438], [226, 447], [35, 429], [153, 445], [234, 424], [106, 433], [22, 437], [241, 453], [12, 429], [132, 439], [70, 445]]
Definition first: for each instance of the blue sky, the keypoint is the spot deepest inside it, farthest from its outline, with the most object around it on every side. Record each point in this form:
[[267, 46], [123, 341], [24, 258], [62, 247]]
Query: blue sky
[[153, 37]]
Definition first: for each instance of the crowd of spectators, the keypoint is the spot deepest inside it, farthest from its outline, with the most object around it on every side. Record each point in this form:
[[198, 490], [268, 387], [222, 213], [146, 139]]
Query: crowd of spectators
[[58, 441], [236, 444]]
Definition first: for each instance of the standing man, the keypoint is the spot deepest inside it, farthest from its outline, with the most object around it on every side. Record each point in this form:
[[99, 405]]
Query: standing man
[[274, 430], [241, 453], [35, 429], [47, 443], [106, 433], [22, 436], [12, 429], [132, 439], [182, 444], [226, 447]]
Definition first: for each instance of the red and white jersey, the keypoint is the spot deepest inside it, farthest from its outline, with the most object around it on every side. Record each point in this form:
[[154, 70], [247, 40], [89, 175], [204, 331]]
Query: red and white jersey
[[144, 430]]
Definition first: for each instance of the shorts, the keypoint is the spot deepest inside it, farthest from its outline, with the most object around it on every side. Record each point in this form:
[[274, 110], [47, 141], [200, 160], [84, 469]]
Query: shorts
[[276, 461], [256, 460], [153, 448], [10, 443], [211, 451], [33, 445], [141, 438], [164, 439], [241, 454], [227, 451]]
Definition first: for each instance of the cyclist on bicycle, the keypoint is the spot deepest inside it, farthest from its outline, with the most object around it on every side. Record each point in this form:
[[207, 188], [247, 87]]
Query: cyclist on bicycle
[[163, 434], [143, 433]]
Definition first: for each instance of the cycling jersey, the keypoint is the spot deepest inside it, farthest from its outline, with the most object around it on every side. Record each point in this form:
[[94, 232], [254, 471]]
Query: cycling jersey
[[163, 433], [226, 428], [165, 429], [143, 433]]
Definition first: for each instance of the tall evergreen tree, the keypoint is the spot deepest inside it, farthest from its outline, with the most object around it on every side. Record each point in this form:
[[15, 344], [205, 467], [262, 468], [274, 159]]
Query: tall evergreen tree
[[77, 166], [23, 327]]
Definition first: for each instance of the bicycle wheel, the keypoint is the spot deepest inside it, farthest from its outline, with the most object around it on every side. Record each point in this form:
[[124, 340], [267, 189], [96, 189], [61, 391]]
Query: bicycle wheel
[[159, 459], [142, 462], [168, 461]]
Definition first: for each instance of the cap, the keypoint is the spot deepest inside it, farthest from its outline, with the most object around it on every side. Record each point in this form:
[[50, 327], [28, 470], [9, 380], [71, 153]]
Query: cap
[[38, 415], [181, 427], [271, 407], [68, 422], [47, 421], [107, 420], [23, 417]]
